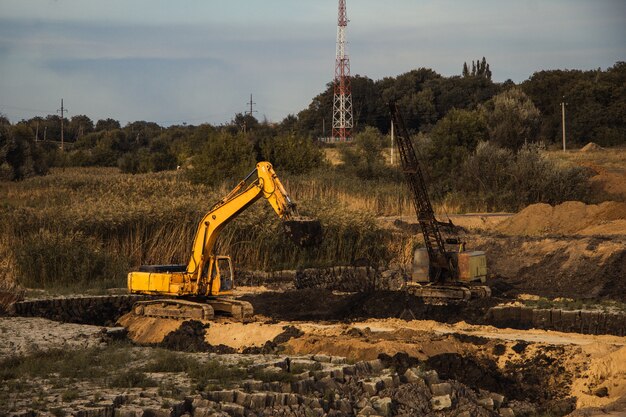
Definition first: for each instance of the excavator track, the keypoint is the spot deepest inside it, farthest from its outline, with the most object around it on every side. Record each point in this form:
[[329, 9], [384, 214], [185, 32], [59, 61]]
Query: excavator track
[[443, 293], [185, 310]]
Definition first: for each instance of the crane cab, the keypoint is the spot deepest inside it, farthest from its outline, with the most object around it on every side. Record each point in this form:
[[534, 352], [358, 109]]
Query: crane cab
[[471, 266]]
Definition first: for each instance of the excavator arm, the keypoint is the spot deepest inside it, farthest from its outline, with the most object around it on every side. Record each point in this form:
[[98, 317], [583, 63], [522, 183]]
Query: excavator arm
[[203, 275], [261, 182]]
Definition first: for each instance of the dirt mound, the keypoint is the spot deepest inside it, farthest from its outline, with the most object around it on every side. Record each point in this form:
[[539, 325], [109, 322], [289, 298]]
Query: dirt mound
[[591, 147], [605, 372], [569, 218], [189, 337], [579, 268]]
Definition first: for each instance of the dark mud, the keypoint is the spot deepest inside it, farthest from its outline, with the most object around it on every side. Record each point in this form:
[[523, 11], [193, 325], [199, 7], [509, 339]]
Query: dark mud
[[274, 345], [189, 337], [316, 304]]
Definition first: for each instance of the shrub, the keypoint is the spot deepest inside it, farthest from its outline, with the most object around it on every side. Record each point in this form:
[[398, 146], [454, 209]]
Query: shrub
[[452, 139], [291, 154], [224, 157], [364, 156], [498, 179], [20, 156], [512, 119]]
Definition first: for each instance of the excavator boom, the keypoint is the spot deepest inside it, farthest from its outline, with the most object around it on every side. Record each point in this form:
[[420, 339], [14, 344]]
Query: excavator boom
[[207, 276]]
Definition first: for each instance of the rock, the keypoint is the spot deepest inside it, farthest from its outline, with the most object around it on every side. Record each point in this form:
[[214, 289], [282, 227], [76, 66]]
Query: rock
[[443, 388], [233, 410], [203, 412], [226, 396], [337, 374], [338, 360], [258, 400], [241, 398], [321, 374], [431, 377], [200, 402], [362, 403], [328, 384], [441, 402], [128, 412], [487, 403], [411, 375], [349, 370], [376, 365], [292, 399], [369, 387], [367, 411], [383, 406], [344, 407], [252, 385], [601, 392], [506, 412], [322, 358], [498, 399], [387, 381]]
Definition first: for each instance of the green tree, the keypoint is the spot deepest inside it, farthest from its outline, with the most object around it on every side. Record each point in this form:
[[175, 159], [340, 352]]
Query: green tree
[[107, 124], [291, 154], [20, 156], [512, 119], [364, 156], [79, 126], [452, 139], [224, 157]]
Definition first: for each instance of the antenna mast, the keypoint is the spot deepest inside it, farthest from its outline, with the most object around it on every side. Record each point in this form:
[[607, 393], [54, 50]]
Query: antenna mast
[[342, 98]]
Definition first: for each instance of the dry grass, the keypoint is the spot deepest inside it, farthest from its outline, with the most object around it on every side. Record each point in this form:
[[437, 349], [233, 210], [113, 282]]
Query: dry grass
[[89, 226], [609, 158]]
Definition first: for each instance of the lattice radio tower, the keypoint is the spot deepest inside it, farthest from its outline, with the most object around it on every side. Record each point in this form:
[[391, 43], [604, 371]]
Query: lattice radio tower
[[342, 99]]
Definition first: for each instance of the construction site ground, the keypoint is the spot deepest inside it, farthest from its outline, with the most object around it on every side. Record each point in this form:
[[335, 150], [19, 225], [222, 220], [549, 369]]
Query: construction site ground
[[323, 352]]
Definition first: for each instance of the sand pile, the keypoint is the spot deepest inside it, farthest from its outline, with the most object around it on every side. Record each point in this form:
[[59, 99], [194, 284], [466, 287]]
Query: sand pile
[[591, 147], [604, 378], [569, 218]]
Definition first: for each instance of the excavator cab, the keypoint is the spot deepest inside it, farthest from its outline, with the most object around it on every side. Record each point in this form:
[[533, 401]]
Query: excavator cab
[[223, 270]]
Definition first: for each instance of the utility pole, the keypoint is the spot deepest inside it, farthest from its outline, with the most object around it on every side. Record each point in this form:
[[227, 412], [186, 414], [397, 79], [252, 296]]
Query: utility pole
[[37, 132], [251, 103], [563, 121], [391, 142], [249, 113], [62, 111]]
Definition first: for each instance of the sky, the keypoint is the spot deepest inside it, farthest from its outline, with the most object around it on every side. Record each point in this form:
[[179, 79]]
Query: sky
[[198, 61]]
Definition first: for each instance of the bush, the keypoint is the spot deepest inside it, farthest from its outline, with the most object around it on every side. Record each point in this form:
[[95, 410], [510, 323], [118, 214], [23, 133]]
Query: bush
[[288, 153], [224, 157], [364, 156], [495, 179], [452, 140], [512, 118], [20, 156]]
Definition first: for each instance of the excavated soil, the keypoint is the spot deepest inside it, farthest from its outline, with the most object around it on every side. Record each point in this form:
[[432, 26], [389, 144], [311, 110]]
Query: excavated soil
[[569, 218], [558, 266], [325, 305]]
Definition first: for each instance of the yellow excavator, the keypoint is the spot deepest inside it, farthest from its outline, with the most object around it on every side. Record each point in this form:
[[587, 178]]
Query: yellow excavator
[[204, 286]]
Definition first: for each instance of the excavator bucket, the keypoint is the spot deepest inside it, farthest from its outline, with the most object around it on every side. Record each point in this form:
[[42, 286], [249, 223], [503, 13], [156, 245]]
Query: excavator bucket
[[304, 231]]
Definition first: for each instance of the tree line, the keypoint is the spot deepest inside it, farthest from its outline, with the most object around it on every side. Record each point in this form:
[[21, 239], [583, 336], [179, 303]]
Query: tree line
[[449, 115]]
